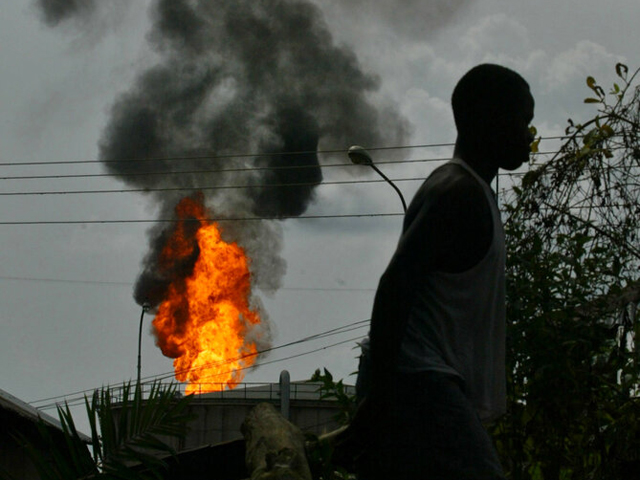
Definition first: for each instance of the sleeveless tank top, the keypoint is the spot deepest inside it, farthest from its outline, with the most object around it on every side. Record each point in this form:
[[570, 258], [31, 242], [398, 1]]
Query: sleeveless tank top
[[457, 325]]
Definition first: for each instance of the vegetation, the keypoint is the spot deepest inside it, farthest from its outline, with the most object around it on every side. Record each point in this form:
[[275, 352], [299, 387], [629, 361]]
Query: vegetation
[[320, 451], [573, 269], [128, 438], [332, 390]]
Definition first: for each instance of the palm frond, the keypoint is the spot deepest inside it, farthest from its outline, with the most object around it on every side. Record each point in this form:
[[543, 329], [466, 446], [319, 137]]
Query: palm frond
[[129, 438], [140, 430]]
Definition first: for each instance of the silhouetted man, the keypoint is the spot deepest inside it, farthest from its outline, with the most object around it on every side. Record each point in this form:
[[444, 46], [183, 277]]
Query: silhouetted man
[[438, 323]]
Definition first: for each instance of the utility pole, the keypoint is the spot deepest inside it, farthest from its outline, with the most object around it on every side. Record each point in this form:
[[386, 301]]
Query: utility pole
[[145, 308]]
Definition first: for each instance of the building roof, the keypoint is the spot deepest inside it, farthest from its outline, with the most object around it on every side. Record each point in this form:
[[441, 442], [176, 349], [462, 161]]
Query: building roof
[[22, 409]]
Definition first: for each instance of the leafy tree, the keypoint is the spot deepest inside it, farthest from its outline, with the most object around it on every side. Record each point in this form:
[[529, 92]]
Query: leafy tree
[[573, 269], [134, 432]]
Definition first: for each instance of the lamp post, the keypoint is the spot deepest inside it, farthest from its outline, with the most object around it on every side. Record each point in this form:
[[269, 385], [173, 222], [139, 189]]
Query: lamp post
[[145, 308], [359, 156]]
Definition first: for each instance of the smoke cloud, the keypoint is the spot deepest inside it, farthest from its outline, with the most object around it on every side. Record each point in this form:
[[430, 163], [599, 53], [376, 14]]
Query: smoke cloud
[[57, 11], [240, 77], [243, 96]]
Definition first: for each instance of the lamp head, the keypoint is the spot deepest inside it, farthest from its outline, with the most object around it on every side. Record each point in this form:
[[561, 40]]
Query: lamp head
[[359, 156]]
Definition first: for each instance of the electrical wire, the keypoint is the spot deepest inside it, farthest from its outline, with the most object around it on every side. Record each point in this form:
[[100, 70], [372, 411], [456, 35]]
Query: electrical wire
[[80, 400], [211, 220], [222, 156], [268, 362], [334, 331], [219, 170], [205, 156], [130, 284], [216, 187], [147, 173], [220, 187]]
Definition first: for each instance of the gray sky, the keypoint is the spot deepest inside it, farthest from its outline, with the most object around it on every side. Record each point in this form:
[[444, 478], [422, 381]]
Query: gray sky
[[68, 318]]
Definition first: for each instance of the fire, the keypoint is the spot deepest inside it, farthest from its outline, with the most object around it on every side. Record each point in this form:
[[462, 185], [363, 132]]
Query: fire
[[205, 316]]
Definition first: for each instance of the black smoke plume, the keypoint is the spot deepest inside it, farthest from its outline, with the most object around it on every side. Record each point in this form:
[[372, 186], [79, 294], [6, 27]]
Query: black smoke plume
[[234, 77]]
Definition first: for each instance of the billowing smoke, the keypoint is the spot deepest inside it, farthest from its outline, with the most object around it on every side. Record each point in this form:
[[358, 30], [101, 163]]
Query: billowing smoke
[[244, 95], [57, 11], [238, 77]]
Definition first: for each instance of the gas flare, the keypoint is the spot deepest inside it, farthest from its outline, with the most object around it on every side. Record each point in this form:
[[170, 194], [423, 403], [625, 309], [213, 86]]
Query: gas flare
[[205, 317]]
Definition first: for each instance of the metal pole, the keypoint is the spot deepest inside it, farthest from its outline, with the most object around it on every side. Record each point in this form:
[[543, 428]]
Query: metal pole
[[145, 308], [285, 394], [359, 156], [404, 204]]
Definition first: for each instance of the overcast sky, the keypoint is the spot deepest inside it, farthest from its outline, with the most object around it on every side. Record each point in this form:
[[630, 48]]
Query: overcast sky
[[68, 318]]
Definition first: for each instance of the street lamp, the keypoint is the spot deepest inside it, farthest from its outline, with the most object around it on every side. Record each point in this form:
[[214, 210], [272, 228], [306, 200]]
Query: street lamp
[[145, 308], [359, 156]]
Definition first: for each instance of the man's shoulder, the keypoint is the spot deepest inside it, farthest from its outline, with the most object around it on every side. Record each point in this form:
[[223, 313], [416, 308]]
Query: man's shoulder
[[450, 191], [451, 180]]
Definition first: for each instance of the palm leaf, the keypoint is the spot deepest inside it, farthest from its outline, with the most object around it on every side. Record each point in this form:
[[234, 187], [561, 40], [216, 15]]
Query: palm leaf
[[140, 430], [129, 438]]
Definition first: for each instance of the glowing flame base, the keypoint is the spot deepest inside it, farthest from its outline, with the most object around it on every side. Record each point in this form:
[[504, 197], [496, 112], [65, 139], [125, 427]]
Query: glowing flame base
[[205, 318]]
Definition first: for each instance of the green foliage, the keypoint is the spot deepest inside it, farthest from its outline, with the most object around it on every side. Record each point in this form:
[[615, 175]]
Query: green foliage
[[321, 451], [330, 389], [132, 432], [573, 287]]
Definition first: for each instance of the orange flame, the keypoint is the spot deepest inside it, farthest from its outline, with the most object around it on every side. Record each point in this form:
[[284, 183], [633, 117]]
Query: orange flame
[[205, 316]]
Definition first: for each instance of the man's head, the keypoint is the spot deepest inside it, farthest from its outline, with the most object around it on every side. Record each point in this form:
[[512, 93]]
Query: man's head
[[492, 107]]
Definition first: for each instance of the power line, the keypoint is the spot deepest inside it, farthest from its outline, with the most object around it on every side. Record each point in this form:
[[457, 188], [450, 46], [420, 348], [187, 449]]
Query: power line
[[130, 284], [150, 172], [173, 172], [297, 355], [334, 331], [212, 156], [171, 375], [326, 333], [78, 401], [216, 187], [221, 187], [218, 220], [234, 187], [329, 333], [211, 220], [220, 156], [219, 170], [63, 280]]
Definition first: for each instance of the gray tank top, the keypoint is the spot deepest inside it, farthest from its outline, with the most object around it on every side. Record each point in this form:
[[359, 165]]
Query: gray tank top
[[458, 324]]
